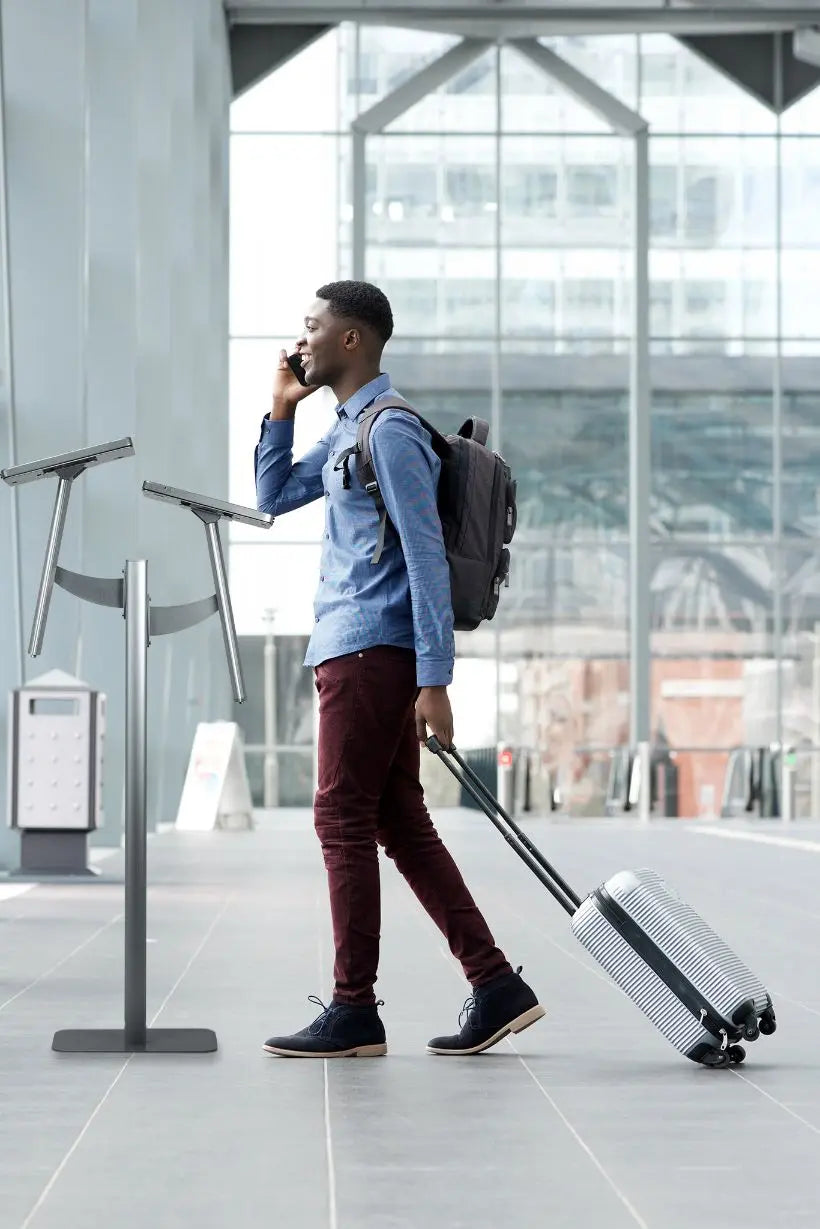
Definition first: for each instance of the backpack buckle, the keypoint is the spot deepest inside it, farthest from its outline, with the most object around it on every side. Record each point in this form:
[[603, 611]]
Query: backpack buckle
[[370, 487]]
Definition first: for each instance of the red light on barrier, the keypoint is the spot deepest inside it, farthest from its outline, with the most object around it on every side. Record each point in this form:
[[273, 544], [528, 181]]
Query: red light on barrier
[[505, 759]]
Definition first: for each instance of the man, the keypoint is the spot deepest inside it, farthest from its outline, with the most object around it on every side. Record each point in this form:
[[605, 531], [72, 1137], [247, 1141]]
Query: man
[[382, 649]]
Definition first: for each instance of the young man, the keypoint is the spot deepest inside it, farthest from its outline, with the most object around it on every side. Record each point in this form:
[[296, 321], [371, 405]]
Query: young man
[[382, 649]]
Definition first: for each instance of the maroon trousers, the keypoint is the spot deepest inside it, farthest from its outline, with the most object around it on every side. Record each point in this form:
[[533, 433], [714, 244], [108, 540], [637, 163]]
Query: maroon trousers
[[369, 794]]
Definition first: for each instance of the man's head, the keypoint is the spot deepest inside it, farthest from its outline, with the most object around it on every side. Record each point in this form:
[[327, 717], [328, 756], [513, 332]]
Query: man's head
[[346, 329]]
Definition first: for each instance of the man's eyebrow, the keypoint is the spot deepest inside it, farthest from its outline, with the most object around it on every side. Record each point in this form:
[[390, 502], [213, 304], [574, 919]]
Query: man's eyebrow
[[310, 320]]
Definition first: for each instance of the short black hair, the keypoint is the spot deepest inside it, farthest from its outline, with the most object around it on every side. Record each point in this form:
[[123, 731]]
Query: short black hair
[[360, 301]]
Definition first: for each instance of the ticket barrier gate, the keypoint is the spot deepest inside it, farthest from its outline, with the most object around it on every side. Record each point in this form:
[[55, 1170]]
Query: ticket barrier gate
[[624, 784], [753, 780]]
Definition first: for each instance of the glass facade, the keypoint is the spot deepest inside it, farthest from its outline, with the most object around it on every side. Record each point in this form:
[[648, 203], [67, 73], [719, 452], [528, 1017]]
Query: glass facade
[[498, 220]]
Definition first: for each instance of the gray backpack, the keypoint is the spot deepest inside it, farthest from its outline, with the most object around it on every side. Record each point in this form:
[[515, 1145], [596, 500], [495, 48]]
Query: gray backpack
[[476, 503]]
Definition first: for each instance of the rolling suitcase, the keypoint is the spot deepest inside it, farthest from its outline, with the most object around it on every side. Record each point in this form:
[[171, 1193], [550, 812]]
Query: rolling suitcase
[[655, 947]]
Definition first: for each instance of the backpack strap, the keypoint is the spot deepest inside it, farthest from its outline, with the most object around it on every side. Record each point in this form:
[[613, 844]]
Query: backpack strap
[[365, 467], [344, 464]]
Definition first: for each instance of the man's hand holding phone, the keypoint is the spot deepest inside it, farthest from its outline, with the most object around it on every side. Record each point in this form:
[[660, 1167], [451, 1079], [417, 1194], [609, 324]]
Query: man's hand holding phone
[[288, 387]]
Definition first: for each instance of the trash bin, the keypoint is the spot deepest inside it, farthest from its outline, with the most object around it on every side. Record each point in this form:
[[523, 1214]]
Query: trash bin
[[57, 729], [482, 761]]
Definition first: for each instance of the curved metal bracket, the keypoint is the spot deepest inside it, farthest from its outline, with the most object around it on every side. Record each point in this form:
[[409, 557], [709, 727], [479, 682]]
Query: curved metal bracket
[[97, 589], [167, 619]]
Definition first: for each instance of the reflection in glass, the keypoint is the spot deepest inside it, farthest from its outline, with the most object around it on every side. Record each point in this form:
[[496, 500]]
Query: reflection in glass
[[801, 458], [568, 453], [711, 464]]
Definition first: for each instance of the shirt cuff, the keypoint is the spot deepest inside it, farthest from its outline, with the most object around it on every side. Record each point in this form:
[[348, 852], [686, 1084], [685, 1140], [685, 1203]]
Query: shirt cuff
[[279, 433], [434, 671]]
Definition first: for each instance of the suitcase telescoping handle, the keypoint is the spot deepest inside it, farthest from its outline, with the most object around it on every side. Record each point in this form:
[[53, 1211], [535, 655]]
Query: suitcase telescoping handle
[[518, 840]]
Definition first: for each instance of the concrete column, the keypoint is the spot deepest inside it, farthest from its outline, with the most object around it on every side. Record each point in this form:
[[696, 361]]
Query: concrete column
[[117, 156]]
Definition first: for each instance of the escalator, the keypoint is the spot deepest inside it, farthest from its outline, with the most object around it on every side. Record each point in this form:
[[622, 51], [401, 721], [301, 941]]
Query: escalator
[[624, 784], [752, 783]]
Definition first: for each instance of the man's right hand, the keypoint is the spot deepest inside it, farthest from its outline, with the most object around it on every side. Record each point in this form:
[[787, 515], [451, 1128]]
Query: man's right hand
[[287, 391]]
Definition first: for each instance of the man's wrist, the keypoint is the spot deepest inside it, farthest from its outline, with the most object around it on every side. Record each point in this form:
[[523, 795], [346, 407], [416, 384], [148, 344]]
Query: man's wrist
[[282, 411]]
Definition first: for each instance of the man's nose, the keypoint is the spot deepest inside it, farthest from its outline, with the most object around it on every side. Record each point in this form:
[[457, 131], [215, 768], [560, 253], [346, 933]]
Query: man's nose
[[302, 341]]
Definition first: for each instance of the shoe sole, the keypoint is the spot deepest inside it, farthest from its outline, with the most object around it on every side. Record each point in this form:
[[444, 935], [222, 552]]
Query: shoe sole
[[516, 1026], [374, 1051]]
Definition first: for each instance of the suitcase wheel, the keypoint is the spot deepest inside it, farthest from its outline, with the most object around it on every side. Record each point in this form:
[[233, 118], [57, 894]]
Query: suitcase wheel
[[751, 1032], [715, 1059], [768, 1023]]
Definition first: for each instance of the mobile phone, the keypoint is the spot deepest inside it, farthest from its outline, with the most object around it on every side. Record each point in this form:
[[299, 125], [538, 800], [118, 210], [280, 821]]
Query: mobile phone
[[295, 364]]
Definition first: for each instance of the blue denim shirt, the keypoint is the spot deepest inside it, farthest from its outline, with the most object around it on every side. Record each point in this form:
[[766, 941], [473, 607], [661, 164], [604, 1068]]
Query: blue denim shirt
[[404, 599]]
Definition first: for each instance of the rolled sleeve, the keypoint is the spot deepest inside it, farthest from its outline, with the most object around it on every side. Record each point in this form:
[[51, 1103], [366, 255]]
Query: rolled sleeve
[[282, 486]]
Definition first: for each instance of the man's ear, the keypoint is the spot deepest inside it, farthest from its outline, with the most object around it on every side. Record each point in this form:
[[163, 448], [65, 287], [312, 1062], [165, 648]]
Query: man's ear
[[353, 339]]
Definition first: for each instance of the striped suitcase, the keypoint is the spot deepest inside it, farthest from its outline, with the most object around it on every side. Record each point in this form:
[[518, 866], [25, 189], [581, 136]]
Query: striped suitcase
[[655, 947]]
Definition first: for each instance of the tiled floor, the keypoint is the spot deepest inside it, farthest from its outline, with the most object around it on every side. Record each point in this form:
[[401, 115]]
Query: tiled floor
[[588, 1120]]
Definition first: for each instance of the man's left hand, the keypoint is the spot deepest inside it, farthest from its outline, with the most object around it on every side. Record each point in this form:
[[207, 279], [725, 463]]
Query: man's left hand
[[433, 710]]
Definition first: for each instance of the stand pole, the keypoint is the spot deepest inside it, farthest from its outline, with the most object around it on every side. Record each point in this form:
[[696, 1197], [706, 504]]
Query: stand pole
[[223, 600], [55, 537], [136, 701], [136, 1037]]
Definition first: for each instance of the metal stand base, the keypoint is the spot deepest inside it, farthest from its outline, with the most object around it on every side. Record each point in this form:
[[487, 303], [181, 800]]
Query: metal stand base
[[35, 873], [157, 1041]]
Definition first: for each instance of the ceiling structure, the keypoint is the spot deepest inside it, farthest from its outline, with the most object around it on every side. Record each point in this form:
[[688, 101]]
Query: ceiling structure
[[770, 49], [497, 18]]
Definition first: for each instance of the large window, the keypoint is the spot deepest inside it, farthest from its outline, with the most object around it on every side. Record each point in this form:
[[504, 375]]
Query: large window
[[507, 257]]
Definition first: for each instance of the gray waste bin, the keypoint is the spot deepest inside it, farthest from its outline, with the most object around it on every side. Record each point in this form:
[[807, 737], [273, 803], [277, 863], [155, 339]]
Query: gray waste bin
[[56, 734]]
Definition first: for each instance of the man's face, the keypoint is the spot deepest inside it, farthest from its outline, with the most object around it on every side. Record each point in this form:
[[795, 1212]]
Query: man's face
[[326, 345]]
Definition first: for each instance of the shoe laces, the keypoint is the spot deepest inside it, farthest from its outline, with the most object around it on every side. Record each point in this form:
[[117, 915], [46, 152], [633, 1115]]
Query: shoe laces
[[328, 1010], [316, 1026], [473, 1001], [467, 1010]]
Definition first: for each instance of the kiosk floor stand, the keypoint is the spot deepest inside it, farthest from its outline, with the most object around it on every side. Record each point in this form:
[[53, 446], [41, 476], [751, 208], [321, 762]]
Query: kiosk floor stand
[[135, 1037], [129, 595]]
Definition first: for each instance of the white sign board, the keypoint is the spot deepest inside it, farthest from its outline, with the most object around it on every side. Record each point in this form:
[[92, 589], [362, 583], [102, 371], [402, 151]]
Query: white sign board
[[216, 793]]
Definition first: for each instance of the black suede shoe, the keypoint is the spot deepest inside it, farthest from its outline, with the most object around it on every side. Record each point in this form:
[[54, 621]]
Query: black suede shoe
[[341, 1031], [505, 1005]]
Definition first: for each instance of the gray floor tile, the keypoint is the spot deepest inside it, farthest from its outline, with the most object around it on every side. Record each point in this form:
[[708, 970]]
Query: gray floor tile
[[587, 1119]]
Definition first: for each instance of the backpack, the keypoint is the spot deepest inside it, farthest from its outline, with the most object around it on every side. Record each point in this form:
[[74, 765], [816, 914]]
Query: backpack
[[476, 504]]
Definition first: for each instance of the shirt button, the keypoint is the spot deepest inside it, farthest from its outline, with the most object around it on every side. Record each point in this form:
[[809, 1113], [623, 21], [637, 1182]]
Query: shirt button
[[317, 618], [327, 535], [327, 494]]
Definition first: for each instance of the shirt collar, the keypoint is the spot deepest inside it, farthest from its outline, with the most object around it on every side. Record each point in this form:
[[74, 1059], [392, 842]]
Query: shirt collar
[[360, 400]]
